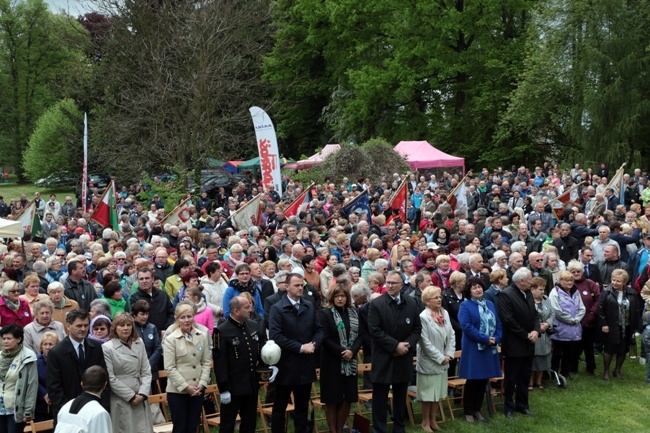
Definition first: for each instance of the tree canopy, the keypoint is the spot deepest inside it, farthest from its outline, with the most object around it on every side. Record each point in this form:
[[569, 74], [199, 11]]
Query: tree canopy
[[56, 138]]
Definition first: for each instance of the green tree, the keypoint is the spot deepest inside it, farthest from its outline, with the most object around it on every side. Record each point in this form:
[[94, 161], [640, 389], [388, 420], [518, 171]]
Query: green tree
[[40, 55], [57, 136], [437, 70], [179, 78], [584, 90]]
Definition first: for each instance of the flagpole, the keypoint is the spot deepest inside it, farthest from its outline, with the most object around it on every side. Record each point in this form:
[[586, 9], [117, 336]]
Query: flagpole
[[108, 187], [243, 207], [576, 186], [29, 203], [305, 192], [611, 181], [392, 197], [462, 181], [174, 210], [84, 181]]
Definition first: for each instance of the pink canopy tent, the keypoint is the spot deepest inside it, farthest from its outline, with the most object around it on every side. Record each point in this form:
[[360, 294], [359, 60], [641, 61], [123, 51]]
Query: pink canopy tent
[[420, 154], [318, 157]]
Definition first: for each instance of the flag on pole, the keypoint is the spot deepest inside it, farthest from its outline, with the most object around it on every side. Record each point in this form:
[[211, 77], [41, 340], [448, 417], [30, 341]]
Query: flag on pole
[[26, 218], [360, 204], [105, 214], [247, 215], [180, 214], [37, 229], [618, 184], [398, 201], [559, 203], [84, 172], [267, 145], [301, 203], [458, 196]]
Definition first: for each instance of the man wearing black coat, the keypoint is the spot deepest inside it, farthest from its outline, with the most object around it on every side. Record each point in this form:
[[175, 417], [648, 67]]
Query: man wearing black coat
[[394, 325], [567, 245], [238, 342], [161, 311], [591, 270], [68, 360], [294, 326], [521, 328]]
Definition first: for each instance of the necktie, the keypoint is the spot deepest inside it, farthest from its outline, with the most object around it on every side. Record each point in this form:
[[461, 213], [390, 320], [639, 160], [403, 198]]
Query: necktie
[[396, 300], [82, 355], [587, 270]]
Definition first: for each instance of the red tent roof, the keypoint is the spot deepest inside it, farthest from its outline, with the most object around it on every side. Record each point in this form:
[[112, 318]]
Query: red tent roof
[[420, 154]]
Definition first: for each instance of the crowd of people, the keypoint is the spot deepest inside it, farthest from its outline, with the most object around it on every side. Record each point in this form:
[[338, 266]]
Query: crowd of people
[[499, 287]]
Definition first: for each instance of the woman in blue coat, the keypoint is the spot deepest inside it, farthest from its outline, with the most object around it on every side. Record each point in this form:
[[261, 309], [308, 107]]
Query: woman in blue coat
[[479, 360]]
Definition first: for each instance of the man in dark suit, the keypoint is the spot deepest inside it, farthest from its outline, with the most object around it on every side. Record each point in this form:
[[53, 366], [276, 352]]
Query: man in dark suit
[[68, 360], [394, 325], [238, 342], [475, 267], [591, 271], [294, 326], [521, 329]]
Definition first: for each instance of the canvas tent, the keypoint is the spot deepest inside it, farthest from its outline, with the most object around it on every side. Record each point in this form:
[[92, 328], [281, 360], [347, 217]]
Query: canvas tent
[[10, 229], [420, 155], [318, 157], [251, 164]]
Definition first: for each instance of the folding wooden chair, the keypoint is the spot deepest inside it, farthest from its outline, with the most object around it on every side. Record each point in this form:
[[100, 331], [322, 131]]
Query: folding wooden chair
[[167, 426], [162, 374], [266, 409], [35, 427], [316, 401], [458, 386]]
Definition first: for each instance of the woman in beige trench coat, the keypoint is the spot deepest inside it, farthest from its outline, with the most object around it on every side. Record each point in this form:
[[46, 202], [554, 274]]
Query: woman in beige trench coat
[[129, 377]]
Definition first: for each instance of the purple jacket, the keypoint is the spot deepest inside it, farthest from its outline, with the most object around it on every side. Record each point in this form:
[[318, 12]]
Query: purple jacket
[[569, 311]]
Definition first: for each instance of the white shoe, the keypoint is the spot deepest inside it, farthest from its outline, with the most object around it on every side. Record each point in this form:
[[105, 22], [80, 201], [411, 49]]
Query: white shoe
[[642, 361]]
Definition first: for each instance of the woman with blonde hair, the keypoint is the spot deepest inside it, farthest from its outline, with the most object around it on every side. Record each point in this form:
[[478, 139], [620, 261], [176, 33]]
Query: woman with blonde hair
[[435, 350], [397, 253], [372, 254], [187, 362], [129, 376], [568, 310]]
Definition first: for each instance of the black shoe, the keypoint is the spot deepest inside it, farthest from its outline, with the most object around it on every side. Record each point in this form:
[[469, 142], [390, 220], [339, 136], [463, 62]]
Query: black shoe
[[591, 373], [526, 412], [509, 414]]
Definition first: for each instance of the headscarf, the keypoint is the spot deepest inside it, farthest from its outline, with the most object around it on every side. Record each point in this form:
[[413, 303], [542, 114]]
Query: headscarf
[[92, 324]]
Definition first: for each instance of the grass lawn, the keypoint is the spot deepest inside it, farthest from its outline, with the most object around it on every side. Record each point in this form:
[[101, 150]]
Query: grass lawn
[[12, 190], [588, 404]]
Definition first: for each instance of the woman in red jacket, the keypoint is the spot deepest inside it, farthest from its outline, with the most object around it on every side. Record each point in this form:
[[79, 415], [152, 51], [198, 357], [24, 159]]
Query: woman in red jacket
[[13, 309]]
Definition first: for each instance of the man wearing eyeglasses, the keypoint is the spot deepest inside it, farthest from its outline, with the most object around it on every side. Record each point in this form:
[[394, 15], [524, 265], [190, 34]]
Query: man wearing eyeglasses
[[535, 266], [394, 326]]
